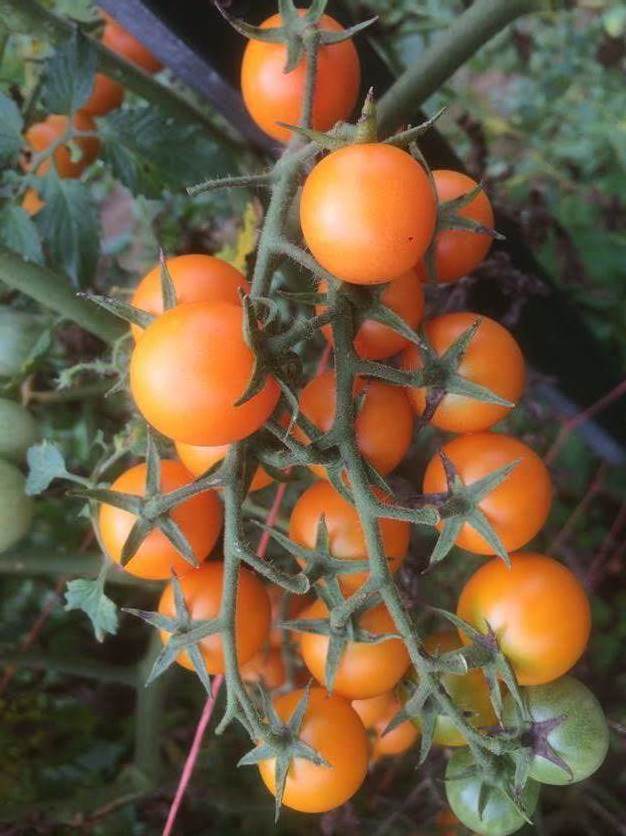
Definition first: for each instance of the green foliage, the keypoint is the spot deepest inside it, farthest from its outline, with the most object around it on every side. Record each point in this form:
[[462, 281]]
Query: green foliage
[[89, 597], [69, 74], [10, 129], [19, 233]]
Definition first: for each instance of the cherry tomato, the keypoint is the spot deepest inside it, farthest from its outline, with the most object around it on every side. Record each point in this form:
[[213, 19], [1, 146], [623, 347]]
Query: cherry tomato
[[493, 359], [458, 252], [345, 534], [384, 423], [16, 509], [284, 611], [365, 670], [118, 40], [580, 738], [538, 610], [517, 508], [199, 459], [32, 203], [367, 213], [266, 666], [202, 590], [196, 278], [107, 95], [199, 518], [272, 95], [376, 713], [18, 430], [41, 135], [374, 341], [333, 729], [188, 370]]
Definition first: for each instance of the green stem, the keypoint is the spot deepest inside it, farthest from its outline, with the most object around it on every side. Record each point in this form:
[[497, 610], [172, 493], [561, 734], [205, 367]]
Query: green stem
[[149, 713], [75, 393], [53, 291], [59, 565], [83, 667]]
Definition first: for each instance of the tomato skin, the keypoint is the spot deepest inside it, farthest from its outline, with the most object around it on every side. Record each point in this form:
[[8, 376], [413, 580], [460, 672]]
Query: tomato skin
[[118, 40], [18, 430], [469, 692], [200, 519], [266, 666], [493, 359], [517, 508], [458, 252], [272, 96], [198, 460], [365, 670], [538, 610], [581, 740], [383, 407], [16, 509], [345, 534], [499, 816], [32, 203], [196, 278], [202, 590], [376, 713], [333, 728], [367, 213], [42, 134], [197, 352], [374, 341], [107, 95]]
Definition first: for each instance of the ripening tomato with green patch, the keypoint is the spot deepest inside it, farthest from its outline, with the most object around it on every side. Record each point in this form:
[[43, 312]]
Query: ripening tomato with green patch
[[493, 360], [537, 609], [202, 591], [106, 95], [345, 533], [332, 728], [384, 421], [41, 135], [199, 518], [367, 212], [375, 341], [376, 713], [118, 40], [366, 669], [271, 95], [190, 368], [517, 508], [196, 278], [459, 251], [199, 459]]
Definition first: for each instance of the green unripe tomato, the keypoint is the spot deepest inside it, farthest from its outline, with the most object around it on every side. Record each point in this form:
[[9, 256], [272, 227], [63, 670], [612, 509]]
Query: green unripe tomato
[[499, 816], [16, 509], [19, 332], [18, 430], [581, 739]]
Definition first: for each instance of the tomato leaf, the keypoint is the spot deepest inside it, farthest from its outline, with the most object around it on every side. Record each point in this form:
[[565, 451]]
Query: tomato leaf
[[88, 596], [19, 233], [69, 75], [10, 130], [45, 463]]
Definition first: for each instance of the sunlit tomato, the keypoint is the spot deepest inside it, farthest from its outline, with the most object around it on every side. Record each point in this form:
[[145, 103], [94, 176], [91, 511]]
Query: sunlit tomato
[[517, 508], [365, 670], [374, 341], [41, 135], [202, 590], [190, 368], [376, 713], [199, 459], [199, 519], [266, 666], [367, 213], [32, 203], [538, 610], [272, 96], [196, 278], [457, 251], [118, 40], [107, 95], [345, 534], [493, 359], [333, 729], [384, 423], [284, 611], [469, 692]]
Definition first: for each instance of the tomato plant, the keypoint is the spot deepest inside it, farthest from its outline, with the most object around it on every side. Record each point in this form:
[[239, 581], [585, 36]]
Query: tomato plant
[[42, 135]]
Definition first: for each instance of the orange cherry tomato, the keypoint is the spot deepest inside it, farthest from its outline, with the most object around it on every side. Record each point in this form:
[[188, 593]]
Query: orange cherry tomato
[[107, 95], [202, 590], [199, 518], [458, 252], [32, 203], [384, 423], [196, 278], [294, 606], [190, 368], [365, 670], [368, 212], [118, 40], [517, 508], [333, 728], [493, 359], [267, 667], [41, 135], [273, 96], [374, 341], [537, 609], [376, 713], [199, 459], [345, 534]]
